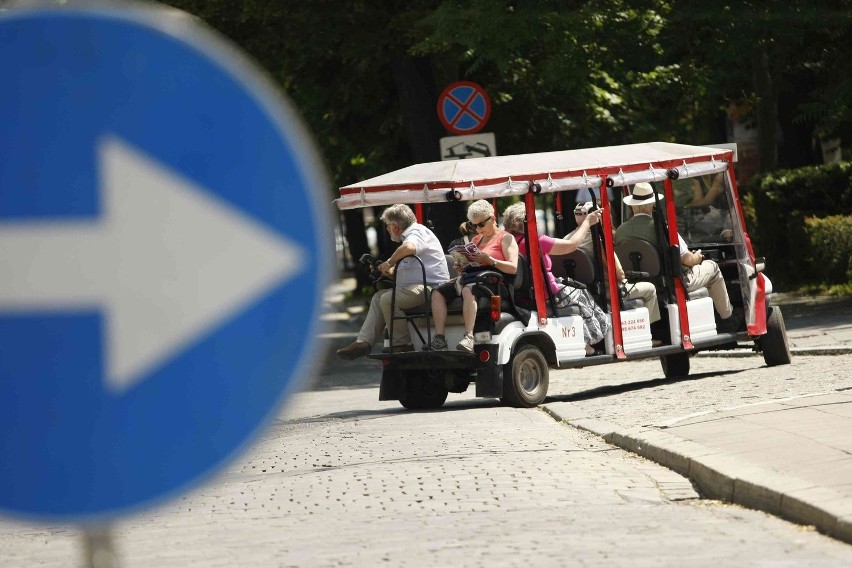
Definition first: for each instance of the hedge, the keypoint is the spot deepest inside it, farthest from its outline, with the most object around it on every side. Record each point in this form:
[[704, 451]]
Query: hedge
[[777, 204], [830, 256]]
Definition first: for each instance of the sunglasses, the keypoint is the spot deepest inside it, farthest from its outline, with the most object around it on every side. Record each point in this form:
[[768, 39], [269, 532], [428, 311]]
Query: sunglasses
[[480, 225], [580, 212]]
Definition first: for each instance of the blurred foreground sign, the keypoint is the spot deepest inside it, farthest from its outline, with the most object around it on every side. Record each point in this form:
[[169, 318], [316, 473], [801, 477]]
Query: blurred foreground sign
[[160, 286]]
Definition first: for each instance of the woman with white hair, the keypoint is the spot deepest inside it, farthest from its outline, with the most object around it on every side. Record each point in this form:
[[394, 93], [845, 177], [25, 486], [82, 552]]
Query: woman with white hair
[[594, 320], [497, 250]]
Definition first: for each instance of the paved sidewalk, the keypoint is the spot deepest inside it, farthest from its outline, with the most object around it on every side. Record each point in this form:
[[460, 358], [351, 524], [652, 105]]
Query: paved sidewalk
[[791, 458]]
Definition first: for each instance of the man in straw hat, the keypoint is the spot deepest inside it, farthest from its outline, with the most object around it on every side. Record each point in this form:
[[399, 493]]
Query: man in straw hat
[[697, 272]]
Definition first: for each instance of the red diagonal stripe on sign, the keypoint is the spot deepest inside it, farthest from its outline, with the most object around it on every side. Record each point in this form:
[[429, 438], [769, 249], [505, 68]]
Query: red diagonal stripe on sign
[[464, 107]]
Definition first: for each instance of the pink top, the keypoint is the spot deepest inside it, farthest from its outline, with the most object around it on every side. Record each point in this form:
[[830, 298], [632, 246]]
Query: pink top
[[494, 248], [545, 244]]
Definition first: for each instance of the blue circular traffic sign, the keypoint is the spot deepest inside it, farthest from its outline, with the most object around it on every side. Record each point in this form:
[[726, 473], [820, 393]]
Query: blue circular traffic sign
[[464, 107], [162, 232]]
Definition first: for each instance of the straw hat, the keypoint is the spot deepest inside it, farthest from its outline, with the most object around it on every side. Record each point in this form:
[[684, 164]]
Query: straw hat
[[642, 194]]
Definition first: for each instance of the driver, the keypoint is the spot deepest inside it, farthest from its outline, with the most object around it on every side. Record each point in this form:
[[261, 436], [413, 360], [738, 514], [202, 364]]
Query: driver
[[418, 240]]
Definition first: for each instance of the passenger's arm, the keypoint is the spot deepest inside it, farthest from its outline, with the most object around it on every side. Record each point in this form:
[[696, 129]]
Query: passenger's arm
[[619, 271], [690, 258], [564, 246], [407, 248]]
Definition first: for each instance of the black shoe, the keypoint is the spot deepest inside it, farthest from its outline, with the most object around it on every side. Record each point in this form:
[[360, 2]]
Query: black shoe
[[354, 350], [729, 325]]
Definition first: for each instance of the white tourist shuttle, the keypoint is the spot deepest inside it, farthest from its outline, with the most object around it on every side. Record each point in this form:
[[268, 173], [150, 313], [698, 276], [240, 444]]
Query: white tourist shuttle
[[520, 332]]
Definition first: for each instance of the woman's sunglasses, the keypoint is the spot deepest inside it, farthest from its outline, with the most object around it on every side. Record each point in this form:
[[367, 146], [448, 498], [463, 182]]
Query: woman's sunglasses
[[480, 225]]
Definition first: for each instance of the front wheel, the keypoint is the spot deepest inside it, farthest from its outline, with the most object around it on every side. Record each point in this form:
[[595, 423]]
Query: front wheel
[[675, 366], [423, 392], [776, 348], [525, 378]]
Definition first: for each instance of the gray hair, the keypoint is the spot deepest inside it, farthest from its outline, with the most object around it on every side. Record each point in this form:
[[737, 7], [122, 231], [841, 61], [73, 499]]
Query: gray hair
[[513, 218], [644, 208], [479, 208], [400, 215]]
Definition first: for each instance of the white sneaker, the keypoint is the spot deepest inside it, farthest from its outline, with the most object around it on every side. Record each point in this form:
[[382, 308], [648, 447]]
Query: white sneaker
[[466, 344]]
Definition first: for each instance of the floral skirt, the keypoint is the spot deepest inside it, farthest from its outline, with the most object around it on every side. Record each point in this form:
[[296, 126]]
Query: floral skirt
[[595, 324]]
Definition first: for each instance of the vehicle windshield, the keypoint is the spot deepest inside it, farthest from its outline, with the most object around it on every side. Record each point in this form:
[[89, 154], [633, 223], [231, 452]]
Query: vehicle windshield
[[703, 210]]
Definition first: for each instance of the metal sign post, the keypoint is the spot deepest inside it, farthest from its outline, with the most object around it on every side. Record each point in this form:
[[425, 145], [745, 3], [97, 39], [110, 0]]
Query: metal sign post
[[98, 548]]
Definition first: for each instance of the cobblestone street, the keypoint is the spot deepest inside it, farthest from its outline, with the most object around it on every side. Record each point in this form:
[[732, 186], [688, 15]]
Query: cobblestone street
[[346, 480]]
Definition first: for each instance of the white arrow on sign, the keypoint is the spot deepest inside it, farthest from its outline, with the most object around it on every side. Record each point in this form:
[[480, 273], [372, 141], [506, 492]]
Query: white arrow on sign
[[166, 262]]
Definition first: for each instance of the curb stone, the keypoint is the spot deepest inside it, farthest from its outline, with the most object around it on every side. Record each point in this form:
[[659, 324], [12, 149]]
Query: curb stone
[[802, 351], [730, 479]]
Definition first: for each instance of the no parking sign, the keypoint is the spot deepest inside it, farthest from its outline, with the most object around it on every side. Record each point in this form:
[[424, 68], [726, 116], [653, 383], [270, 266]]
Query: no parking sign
[[464, 108]]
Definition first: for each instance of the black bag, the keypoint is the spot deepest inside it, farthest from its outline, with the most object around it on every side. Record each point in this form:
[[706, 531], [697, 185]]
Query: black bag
[[469, 276]]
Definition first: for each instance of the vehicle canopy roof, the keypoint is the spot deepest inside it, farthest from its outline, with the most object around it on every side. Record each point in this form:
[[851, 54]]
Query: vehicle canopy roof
[[503, 176]]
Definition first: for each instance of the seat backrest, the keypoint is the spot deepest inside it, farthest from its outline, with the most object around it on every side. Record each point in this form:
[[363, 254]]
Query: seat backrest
[[639, 255], [522, 276], [577, 265], [521, 279]]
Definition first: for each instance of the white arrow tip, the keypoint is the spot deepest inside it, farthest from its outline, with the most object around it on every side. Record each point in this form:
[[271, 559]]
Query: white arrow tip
[[185, 262]]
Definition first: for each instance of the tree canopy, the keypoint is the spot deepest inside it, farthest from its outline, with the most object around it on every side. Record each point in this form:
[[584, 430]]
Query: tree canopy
[[561, 74]]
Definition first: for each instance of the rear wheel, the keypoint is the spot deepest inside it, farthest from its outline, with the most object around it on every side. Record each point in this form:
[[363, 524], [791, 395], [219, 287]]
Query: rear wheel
[[423, 392], [526, 378], [675, 366], [776, 348]]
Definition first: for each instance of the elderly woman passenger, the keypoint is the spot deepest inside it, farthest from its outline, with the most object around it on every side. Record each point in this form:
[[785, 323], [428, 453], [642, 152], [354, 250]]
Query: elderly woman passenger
[[498, 250], [594, 320]]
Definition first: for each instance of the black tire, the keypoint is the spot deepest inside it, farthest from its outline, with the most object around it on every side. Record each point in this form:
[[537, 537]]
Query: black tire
[[423, 392], [526, 378], [675, 366], [776, 348]]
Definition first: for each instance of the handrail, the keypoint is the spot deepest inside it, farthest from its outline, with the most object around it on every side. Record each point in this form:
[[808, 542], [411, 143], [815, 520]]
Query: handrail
[[427, 312]]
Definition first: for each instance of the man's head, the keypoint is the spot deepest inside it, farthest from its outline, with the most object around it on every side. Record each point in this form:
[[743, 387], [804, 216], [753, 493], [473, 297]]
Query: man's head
[[397, 218], [642, 198], [582, 209]]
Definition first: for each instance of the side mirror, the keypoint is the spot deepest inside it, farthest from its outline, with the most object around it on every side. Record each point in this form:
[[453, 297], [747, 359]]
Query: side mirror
[[760, 263]]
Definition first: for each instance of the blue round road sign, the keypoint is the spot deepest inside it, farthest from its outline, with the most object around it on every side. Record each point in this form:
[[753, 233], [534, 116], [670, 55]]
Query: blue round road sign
[[160, 220], [464, 108]]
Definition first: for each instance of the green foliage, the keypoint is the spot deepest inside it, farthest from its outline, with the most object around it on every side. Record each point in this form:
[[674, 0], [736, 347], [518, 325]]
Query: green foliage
[[830, 243], [844, 289], [560, 73], [780, 201], [568, 74]]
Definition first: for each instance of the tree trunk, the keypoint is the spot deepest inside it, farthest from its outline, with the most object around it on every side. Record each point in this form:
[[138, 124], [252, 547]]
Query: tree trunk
[[767, 108], [418, 101]]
